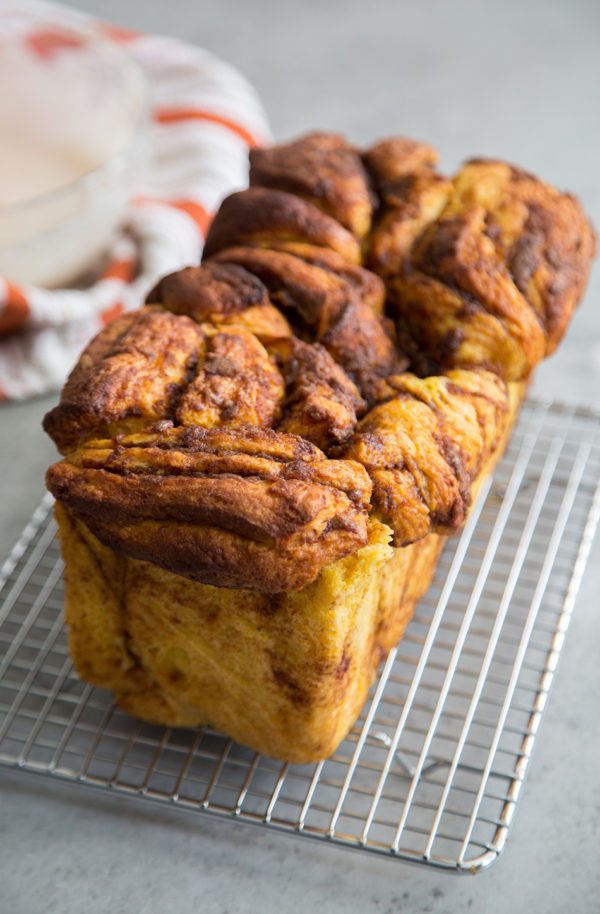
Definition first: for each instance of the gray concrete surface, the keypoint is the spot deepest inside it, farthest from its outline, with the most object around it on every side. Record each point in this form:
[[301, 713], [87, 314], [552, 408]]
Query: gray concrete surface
[[513, 78]]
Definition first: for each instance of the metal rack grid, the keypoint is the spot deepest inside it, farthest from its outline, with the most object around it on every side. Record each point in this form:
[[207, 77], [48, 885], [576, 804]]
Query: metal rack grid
[[433, 768]]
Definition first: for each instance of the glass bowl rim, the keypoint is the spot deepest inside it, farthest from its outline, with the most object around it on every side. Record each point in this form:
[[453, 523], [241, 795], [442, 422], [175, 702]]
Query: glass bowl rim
[[136, 130]]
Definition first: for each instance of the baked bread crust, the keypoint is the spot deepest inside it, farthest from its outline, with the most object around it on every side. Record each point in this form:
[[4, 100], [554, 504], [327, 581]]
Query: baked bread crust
[[285, 673], [219, 504], [241, 429]]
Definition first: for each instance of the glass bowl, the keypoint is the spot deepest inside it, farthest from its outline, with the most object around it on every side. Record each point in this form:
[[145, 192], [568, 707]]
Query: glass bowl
[[73, 125]]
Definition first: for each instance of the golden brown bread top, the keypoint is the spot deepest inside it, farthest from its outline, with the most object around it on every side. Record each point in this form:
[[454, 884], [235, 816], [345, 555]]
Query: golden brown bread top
[[220, 506], [322, 402], [425, 444], [260, 215], [411, 193], [485, 272], [366, 284], [322, 168], [328, 303], [542, 235], [240, 428], [152, 365], [127, 378], [389, 160], [236, 383], [221, 294]]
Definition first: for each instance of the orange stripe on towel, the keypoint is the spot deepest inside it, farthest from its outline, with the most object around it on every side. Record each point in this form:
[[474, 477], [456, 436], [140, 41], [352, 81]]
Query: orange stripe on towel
[[197, 212], [111, 313], [192, 208], [47, 42], [119, 33], [14, 312], [120, 269], [177, 115]]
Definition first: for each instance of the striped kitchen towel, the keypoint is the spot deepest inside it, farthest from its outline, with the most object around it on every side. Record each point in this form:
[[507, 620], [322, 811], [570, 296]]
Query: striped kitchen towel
[[205, 115]]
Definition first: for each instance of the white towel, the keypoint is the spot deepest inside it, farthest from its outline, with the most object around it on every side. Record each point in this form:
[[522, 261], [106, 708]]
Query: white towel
[[205, 116]]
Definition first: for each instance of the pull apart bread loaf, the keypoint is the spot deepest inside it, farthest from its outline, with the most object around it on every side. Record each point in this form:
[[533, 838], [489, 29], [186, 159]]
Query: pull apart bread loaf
[[261, 465]]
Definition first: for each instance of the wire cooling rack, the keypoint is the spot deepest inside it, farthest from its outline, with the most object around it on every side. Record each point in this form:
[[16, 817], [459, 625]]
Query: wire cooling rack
[[433, 769]]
